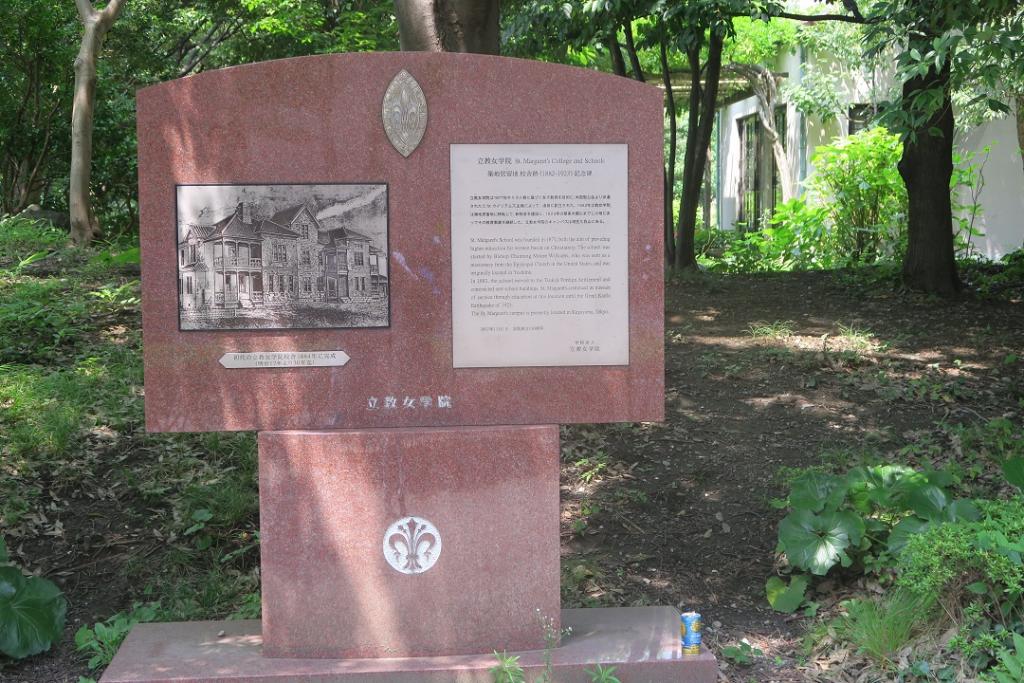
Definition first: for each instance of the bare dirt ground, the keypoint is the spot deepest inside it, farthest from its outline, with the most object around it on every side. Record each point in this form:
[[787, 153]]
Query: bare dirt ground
[[762, 373], [680, 512]]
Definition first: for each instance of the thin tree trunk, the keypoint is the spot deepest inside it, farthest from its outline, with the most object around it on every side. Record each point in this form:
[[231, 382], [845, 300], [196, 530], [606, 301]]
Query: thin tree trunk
[[84, 225], [670, 168], [698, 138], [708, 187], [634, 59], [615, 50], [449, 25], [926, 167]]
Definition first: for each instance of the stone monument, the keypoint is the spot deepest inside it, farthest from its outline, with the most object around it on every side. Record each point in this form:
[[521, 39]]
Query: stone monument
[[403, 270]]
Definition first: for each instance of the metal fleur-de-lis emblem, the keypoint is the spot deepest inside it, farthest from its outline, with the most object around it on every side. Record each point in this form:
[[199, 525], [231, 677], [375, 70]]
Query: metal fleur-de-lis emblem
[[404, 112], [412, 545]]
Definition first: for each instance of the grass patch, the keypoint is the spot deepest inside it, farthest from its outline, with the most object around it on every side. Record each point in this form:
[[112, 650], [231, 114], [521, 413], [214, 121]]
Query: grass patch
[[880, 628], [780, 329]]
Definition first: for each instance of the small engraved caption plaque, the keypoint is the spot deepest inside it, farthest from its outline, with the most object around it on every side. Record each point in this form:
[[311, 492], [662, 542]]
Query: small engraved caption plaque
[[284, 359]]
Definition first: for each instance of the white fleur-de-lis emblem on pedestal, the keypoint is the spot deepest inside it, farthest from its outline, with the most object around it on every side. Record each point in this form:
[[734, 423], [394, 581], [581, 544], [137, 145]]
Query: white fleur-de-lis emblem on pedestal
[[412, 545], [404, 112]]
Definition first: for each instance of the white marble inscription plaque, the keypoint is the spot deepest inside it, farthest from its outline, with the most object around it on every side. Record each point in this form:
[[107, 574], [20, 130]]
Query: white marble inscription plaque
[[284, 359], [540, 271]]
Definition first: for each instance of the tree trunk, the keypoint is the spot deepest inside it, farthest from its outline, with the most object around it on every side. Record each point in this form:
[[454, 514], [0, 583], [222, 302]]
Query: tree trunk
[[84, 225], [634, 59], [670, 167], [708, 189], [698, 138], [615, 50], [449, 25], [926, 167]]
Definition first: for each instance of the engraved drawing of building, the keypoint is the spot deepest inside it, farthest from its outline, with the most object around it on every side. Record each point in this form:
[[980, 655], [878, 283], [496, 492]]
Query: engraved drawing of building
[[244, 261]]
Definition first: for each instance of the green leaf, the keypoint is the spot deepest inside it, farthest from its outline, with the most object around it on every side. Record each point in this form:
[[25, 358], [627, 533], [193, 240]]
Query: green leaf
[[32, 612], [783, 598], [815, 491], [978, 588], [901, 533], [1013, 470], [3, 551], [927, 501], [817, 542], [963, 509]]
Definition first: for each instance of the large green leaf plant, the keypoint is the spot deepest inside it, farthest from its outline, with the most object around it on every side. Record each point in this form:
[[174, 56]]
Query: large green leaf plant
[[861, 519], [32, 611]]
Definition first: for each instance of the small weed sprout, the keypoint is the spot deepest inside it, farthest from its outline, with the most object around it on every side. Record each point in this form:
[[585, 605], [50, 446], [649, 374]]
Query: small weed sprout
[[507, 670], [743, 654]]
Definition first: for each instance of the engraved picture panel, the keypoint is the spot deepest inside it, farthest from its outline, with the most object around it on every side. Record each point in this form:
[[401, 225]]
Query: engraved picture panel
[[282, 256]]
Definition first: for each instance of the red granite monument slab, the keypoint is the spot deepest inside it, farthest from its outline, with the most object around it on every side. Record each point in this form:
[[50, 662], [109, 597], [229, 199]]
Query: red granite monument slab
[[275, 187], [408, 542], [642, 643]]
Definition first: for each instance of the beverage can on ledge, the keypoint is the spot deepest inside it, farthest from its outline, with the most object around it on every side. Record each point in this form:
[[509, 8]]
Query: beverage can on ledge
[[689, 632]]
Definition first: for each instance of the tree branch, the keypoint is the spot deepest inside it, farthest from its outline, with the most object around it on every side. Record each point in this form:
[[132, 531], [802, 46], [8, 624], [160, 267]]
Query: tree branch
[[812, 18], [85, 10], [112, 9]]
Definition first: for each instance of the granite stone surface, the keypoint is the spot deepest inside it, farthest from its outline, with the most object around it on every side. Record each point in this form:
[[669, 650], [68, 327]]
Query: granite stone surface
[[344, 576], [642, 643], [317, 120]]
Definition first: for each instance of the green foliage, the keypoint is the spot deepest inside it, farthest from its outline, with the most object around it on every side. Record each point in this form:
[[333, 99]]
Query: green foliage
[[22, 239], [863, 517], [743, 653], [780, 329], [39, 320], [857, 180], [105, 637], [854, 212], [880, 628], [32, 611], [507, 670], [786, 598], [600, 674], [1011, 662], [971, 560]]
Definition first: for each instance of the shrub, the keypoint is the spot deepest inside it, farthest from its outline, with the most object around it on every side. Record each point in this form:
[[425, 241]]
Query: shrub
[[864, 517], [972, 561], [857, 180], [21, 238]]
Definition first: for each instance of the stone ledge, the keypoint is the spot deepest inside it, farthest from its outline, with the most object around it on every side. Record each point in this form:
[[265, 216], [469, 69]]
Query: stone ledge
[[642, 643]]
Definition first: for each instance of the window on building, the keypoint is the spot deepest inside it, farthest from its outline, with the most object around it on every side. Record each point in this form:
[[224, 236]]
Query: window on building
[[191, 253], [304, 258], [280, 253], [291, 284], [304, 230], [182, 257], [320, 284], [357, 258], [188, 285], [307, 285], [780, 129], [218, 282], [750, 206]]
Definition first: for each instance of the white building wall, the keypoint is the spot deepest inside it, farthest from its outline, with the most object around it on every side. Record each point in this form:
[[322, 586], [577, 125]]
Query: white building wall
[[1001, 198], [1002, 194]]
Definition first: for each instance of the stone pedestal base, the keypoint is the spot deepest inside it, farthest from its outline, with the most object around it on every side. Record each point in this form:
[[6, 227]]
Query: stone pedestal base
[[642, 643], [408, 542]]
